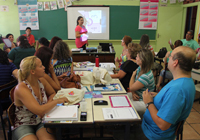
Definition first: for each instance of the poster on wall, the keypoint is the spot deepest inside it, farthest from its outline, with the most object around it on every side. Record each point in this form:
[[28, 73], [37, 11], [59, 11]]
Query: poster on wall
[[148, 14], [198, 33], [28, 14]]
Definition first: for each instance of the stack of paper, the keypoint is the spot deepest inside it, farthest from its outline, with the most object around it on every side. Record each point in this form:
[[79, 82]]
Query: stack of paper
[[62, 113]]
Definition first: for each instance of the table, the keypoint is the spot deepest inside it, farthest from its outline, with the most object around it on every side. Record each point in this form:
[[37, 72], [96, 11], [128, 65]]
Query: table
[[99, 119], [196, 76], [90, 56], [74, 123]]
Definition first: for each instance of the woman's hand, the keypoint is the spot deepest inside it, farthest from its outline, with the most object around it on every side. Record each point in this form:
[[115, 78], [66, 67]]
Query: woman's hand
[[87, 43], [13, 45], [135, 97], [51, 69]]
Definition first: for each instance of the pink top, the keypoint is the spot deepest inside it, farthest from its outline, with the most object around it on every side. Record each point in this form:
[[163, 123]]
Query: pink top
[[81, 30], [25, 116]]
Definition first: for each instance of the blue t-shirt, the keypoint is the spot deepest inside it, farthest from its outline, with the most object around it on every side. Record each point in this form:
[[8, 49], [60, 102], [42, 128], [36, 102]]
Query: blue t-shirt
[[6, 73], [174, 103]]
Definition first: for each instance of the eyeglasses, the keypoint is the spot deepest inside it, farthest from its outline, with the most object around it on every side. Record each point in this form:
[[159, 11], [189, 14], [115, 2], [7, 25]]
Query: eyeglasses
[[189, 34]]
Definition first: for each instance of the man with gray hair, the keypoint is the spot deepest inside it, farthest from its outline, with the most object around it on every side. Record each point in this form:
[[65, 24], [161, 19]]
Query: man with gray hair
[[174, 102], [188, 41]]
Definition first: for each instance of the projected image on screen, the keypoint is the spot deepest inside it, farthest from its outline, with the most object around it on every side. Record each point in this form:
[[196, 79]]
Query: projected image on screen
[[96, 21], [93, 20]]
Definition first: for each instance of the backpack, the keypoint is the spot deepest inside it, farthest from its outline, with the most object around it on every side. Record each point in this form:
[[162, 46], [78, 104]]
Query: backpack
[[162, 52]]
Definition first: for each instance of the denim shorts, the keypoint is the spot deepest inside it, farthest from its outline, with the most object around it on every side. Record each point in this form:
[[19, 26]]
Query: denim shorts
[[25, 130]]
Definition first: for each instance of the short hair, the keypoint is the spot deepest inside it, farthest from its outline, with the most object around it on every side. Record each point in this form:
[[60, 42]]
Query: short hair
[[133, 49], [127, 40], [44, 54], [8, 35], [27, 64], [44, 41], [144, 41], [61, 51], [78, 19], [28, 28], [147, 59], [23, 42], [178, 43], [192, 32], [4, 57], [185, 61], [53, 41]]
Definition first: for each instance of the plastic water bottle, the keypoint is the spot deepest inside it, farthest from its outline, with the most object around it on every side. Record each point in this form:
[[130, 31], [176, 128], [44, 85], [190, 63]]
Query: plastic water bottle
[[98, 76], [97, 61], [110, 47]]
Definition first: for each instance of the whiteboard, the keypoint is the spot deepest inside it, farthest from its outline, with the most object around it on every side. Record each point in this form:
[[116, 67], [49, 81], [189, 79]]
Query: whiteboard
[[96, 21]]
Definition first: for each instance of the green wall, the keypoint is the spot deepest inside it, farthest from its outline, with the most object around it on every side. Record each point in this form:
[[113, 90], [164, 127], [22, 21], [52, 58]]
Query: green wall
[[9, 22]]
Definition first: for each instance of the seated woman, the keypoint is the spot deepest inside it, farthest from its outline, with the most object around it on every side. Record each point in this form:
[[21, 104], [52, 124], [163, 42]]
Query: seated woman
[[125, 41], [11, 38], [168, 74], [141, 79], [30, 99], [53, 42], [43, 42], [127, 68], [45, 54], [23, 50], [62, 60], [7, 69]]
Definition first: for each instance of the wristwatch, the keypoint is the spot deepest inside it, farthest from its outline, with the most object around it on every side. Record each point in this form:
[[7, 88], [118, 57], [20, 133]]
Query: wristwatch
[[147, 105]]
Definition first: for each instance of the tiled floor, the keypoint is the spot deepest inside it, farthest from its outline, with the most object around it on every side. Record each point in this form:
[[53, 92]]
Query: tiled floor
[[191, 129]]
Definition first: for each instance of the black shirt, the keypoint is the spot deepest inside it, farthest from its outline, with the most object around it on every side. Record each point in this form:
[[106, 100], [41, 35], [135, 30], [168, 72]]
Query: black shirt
[[128, 67]]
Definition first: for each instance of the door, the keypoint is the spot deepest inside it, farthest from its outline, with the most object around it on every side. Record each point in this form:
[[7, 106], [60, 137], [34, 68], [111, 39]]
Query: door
[[169, 26]]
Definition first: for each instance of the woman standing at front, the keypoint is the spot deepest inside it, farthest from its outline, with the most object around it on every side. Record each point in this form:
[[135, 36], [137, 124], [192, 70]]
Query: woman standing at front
[[80, 31]]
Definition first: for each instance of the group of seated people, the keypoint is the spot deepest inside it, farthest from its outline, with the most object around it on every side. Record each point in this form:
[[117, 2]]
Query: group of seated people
[[37, 69]]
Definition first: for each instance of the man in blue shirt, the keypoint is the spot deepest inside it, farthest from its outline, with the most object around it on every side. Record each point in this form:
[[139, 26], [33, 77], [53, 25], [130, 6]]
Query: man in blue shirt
[[174, 102]]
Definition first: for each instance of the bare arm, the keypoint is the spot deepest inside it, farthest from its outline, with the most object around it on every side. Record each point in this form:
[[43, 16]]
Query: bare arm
[[24, 96], [10, 60], [15, 73], [72, 67], [37, 45], [78, 35], [165, 58], [162, 124], [53, 80], [119, 75]]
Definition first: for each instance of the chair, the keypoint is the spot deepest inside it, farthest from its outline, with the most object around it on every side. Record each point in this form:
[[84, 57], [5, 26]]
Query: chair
[[11, 116], [179, 130], [12, 93], [5, 100], [164, 76]]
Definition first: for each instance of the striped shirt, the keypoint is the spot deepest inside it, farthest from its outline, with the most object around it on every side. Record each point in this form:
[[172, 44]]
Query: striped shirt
[[147, 80]]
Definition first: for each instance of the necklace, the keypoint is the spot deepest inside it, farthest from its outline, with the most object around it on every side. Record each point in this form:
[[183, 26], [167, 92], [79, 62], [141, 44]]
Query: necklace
[[34, 92]]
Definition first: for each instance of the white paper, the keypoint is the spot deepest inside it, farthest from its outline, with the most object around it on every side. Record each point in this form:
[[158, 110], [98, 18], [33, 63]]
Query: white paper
[[62, 113], [119, 101], [170, 41], [7, 42], [53, 5], [4, 8], [172, 1], [40, 6], [119, 113], [164, 1]]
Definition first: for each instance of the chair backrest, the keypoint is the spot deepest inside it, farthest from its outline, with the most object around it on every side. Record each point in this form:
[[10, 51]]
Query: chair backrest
[[4, 89], [11, 114], [179, 130], [12, 93]]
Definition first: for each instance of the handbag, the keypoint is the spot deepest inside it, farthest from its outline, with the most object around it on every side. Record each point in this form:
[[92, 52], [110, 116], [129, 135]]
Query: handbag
[[86, 77], [69, 80], [72, 94]]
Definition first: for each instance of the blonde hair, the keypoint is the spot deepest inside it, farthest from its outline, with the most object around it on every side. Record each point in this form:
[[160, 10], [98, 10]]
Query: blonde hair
[[147, 60], [26, 65], [133, 49]]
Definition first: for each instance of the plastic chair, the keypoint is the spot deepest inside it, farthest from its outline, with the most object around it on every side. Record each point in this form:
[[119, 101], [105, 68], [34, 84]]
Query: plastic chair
[[179, 130]]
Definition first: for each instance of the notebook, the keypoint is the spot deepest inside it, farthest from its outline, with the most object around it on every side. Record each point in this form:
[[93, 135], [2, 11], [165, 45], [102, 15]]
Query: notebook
[[62, 113]]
